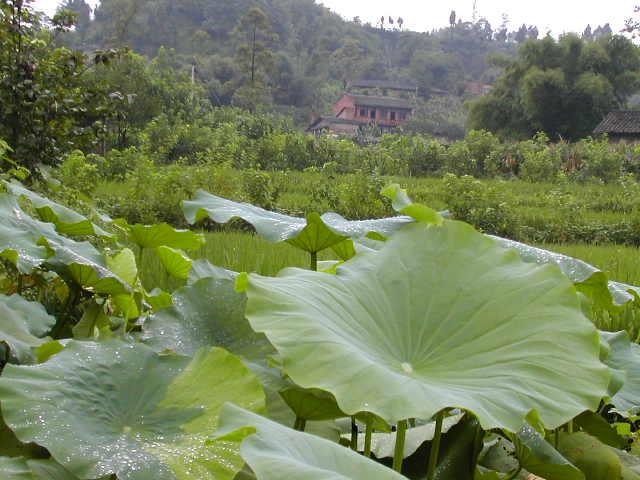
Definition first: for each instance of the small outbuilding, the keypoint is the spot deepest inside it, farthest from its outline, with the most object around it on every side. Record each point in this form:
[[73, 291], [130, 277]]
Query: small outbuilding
[[620, 126]]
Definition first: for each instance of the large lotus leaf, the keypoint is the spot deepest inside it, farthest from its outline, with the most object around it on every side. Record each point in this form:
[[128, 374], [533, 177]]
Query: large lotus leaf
[[596, 460], [313, 234], [154, 236], [19, 235], [383, 444], [66, 221], [30, 243], [116, 408], [439, 317], [23, 469], [207, 313], [23, 326], [624, 358], [592, 281], [589, 279], [275, 452]]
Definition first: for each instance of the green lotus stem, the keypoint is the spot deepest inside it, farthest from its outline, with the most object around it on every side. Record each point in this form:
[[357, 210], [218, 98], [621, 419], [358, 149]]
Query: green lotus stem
[[367, 439], [20, 285], [556, 437], [570, 426], [354, 435], [435, 447], [300, 424], [314, 261], [398, 456]]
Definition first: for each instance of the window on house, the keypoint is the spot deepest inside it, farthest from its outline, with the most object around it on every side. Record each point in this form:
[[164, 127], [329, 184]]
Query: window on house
[[363, 112], [403, 115], [393, 116], [373, 114]]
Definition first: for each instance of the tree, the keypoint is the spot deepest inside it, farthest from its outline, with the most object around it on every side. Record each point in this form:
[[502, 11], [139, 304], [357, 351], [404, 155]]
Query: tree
[[82, 10], [563, 88], [452, 18], [45, 108], [254, 54]]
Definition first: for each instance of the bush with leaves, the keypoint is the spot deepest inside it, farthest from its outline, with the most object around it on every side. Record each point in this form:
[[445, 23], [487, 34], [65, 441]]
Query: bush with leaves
[[600, 161], [540, 161]]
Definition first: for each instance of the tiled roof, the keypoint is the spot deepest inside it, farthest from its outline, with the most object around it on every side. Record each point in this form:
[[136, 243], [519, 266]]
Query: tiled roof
[[621, 121], [325, 122], [382, 102], [385, 84]]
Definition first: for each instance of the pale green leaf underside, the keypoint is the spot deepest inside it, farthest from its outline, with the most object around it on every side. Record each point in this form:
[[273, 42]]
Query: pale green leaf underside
[[23, 326], [66, 221], [313, 234], [624, 358], [30, 243], [116, 408], [275, 452], [439, 317]]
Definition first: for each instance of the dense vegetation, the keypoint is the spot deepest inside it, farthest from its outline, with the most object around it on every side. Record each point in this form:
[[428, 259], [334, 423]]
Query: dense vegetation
[[563, 88], [222, 391]]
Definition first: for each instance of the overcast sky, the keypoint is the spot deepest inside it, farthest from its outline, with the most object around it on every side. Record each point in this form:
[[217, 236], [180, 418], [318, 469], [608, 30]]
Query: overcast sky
[[556, 15]]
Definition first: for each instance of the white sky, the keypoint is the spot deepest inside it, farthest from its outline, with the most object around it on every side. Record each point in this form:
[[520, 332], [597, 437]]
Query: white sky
[[556, 15]]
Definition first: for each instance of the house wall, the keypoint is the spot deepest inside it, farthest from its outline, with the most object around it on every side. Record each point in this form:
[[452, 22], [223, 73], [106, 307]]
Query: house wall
[[346, 108]]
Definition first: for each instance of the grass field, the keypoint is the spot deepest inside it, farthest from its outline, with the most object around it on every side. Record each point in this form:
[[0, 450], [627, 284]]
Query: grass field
[[245, 252]]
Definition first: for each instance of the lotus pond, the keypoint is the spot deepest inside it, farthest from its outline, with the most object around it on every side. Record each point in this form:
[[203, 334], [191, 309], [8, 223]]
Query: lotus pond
[[407, 347]]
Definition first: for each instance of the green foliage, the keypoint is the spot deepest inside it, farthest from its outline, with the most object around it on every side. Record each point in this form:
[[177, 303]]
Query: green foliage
[[563, 88], [78, 173], [161, 405], [539, 163], [474, 202]]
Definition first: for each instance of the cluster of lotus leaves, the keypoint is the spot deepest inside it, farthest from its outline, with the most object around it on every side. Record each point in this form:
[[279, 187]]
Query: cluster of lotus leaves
[[439, 316], [473, 327]]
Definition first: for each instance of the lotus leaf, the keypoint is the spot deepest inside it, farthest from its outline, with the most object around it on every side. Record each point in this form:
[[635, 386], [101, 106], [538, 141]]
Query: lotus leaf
[[589, 279], [23, 326], [20, 235], [383, 444], [275, 452], [29, 243], [23, 469], [116, 408], [175, 262], [204, 269], [441, 316], [207, 313], [537, 456], [154, 236], [624, 358], [66, 221], [596, 460], [313, 234]]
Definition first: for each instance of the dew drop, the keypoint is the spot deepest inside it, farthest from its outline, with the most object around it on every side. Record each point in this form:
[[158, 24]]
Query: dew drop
[[407, 367]]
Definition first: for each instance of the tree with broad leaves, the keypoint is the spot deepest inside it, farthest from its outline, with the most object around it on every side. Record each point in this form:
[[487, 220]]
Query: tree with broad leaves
[[45, 108]]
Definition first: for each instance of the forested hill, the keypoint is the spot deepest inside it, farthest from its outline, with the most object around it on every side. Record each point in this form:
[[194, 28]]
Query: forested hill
[[304, 52]]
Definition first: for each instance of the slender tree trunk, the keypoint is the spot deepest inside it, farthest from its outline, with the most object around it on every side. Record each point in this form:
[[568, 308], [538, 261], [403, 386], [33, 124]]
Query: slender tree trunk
[[253, 56]]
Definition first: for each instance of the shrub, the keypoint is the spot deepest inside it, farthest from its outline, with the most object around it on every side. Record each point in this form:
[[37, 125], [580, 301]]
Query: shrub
[[540, 162], [76, 172], [600, 161], [484, 207]]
